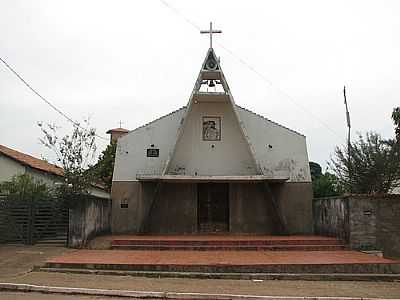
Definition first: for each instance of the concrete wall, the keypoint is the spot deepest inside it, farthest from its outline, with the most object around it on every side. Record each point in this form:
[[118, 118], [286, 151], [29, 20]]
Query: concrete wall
[[367, 221], [131, 156], [229, 156], [295, 201], [279, 150], [388, 226], [251, 210], [128, 218], [331, 217], [174, 210], [287, 157], [90, 216]]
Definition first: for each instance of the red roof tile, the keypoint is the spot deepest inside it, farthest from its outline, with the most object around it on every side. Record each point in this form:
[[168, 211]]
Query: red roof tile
[[31, 161], [118, 130]]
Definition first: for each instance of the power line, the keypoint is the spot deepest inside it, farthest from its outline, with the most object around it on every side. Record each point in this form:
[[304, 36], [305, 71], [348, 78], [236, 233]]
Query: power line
[[251, 68], [44, 99]]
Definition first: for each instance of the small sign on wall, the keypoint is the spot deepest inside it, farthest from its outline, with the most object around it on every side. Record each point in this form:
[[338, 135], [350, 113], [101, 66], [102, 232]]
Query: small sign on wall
[[124, 203], [153, 152]]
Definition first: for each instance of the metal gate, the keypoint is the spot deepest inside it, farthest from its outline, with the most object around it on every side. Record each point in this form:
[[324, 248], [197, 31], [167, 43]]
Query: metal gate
[[32, 221]]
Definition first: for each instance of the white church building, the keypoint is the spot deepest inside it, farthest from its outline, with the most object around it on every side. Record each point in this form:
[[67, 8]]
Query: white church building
[[212, 167]]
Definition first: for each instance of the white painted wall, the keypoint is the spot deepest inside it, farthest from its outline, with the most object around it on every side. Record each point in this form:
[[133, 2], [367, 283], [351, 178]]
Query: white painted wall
[[9, 168], [288, 155], [131, 157], [44, 177], [229, 156]]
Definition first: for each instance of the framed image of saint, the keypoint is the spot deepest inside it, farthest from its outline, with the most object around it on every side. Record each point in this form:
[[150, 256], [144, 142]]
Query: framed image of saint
[[211, 128]]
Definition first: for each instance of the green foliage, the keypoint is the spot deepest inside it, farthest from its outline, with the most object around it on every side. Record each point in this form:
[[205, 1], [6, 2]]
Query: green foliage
[[104, 168], [25, 187], [371, 165], [324, 185], [74, 153], [327, 185]]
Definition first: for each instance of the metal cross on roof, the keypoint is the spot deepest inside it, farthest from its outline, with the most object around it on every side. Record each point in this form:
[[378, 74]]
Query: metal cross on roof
[[211, 31]]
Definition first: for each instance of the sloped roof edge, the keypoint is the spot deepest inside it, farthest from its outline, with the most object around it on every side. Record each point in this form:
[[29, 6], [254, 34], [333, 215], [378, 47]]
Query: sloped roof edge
[[30, 161], [155, 120], [261, 116], [184, 107]]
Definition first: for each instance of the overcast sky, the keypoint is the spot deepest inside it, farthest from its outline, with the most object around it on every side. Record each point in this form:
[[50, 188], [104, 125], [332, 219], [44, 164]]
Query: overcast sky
[[137, 60]]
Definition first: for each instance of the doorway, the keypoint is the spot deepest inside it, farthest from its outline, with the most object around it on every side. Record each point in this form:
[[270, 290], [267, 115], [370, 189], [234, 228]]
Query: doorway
[[213, 207]]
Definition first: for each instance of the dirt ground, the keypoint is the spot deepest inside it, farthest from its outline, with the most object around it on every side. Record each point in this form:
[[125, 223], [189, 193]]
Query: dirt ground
[[17, 261], [34, 296]]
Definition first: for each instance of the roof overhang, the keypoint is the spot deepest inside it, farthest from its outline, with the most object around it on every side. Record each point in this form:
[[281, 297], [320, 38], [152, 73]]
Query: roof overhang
[[200, 179]]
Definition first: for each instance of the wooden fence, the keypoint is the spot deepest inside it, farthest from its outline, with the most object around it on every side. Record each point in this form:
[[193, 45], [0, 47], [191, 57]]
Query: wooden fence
[[33, 221]]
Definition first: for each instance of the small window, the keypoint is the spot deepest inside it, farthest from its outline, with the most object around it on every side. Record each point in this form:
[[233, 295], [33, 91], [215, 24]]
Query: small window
[[124, 203]]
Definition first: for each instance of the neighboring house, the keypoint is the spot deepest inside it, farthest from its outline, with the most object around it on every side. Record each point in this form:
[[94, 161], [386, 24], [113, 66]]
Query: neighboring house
[[13, 163]]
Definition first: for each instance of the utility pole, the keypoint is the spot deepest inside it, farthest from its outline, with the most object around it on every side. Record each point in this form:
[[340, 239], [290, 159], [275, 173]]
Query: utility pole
[[348, 136]]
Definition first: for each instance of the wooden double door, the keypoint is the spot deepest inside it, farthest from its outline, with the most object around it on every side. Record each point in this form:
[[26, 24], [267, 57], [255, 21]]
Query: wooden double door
[[213, 207]]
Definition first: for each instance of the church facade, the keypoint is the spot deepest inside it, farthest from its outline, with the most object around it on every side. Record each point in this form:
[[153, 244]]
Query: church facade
[[212, 167]]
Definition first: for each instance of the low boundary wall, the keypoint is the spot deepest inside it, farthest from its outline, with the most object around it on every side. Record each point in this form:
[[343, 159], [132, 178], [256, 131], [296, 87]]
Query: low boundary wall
[[90, 216], [366, 222]]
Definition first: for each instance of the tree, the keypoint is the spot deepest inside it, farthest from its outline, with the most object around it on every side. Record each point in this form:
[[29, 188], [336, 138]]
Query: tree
[[104, 168], [371, 166], [25, 187], [324, 185], [396, 120], [327, 185], [74, 154]]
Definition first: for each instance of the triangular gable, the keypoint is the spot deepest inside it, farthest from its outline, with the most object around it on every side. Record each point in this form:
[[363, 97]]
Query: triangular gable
[[208, 111]]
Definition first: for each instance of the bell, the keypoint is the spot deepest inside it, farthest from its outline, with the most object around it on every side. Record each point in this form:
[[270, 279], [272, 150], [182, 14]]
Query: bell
[[211, 83]]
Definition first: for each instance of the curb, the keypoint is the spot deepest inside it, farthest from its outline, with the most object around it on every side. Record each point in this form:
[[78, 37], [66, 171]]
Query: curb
[[18, 287]]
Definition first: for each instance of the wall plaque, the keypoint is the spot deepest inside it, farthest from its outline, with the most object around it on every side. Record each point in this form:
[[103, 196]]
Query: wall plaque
[[153, 152]]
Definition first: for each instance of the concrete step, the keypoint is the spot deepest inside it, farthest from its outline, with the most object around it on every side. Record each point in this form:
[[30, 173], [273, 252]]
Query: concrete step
[[189, 247], [225, 242], [235, 276], [315, 262], [356, 268]]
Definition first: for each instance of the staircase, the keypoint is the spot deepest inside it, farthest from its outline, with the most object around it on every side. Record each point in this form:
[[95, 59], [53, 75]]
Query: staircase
[[226, 243], [227, 257]]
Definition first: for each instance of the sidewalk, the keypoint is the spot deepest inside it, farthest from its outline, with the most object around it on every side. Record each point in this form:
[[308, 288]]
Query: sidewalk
[[16, 262]]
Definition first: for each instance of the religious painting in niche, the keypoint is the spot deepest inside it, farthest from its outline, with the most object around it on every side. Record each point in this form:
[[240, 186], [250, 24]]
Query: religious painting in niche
[[211, 128]]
